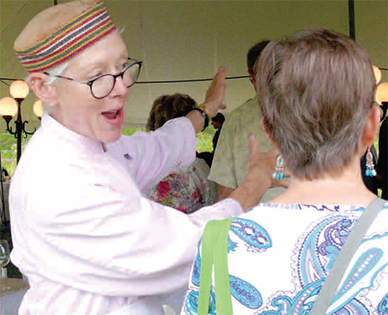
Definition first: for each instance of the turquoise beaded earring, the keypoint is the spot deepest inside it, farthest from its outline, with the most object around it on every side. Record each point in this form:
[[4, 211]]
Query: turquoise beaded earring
[[278, 173], [370, 167]]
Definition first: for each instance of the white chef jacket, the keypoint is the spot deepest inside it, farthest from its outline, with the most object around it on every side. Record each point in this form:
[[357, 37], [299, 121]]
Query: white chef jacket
[[84, 235]]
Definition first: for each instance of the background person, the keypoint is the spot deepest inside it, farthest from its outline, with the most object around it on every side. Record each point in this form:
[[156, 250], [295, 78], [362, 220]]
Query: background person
[[280, 253], [82, 232], [187, 190], [229, 165], [217, 122]]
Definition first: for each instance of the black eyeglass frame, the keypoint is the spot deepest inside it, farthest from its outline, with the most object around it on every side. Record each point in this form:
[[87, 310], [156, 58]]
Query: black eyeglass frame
[[115, 76]]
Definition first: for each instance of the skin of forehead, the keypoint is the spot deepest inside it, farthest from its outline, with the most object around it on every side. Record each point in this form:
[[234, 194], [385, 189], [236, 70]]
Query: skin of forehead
[[49, 21]]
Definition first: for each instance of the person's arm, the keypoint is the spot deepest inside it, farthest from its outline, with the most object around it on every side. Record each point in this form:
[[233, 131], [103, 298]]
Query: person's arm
[[116, 241], [213, 101], [173, 144], [259, 177], [154, 155], [223, 192]]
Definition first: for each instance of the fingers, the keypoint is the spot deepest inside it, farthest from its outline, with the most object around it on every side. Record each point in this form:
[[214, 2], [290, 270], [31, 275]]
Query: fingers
[[286, 172], [255, 155], [216, 91], [284, 183], [253, 149], [220, 75], [218, 82], [262, 165], [259, 178], [221, 72], [281, 183]]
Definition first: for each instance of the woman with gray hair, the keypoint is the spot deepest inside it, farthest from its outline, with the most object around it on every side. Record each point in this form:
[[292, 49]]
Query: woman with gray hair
[[316, 93], [85, 235]]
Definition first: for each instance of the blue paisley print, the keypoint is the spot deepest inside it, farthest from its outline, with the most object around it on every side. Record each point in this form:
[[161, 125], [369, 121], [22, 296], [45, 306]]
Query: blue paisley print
[[231, 245], [313, 251], [300, 304], [383, 305], [245, 293], [196, 270], [191, 303], [256, 238]]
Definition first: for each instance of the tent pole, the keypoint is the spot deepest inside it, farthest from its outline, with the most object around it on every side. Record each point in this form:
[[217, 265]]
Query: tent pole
[[352, 24]]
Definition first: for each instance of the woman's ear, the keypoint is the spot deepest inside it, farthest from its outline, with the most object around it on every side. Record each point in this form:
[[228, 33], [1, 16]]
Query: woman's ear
[[265, 129], [371, 128], [38, 83]]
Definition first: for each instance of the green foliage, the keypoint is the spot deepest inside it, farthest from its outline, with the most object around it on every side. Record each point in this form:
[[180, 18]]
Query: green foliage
[[204, 140], [130, 132], [8, 149]]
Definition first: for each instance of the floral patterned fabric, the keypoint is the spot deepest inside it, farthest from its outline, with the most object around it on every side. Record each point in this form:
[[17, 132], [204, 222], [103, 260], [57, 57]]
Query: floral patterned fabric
[[186, 191]]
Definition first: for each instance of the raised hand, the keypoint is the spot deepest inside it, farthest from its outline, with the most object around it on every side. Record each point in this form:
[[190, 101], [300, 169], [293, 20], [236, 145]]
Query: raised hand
[[216, 92], [259, 178]]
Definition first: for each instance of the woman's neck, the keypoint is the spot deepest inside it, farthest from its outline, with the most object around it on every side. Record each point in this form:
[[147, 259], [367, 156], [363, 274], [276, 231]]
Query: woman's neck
[[347, 188]]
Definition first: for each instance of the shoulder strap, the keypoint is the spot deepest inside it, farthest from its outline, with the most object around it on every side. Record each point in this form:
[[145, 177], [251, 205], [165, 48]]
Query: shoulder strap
[[221, 269], [215, 250], [346, 253]]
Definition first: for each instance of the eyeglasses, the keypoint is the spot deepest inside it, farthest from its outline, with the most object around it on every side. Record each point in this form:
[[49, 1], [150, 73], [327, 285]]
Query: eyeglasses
[[103, 85]]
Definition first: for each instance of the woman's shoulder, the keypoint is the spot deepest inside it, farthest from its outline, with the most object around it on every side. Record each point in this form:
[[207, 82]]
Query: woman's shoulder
[[294, 212]]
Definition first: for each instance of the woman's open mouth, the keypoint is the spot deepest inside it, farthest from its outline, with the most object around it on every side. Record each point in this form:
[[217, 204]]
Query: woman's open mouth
[[114, 117]]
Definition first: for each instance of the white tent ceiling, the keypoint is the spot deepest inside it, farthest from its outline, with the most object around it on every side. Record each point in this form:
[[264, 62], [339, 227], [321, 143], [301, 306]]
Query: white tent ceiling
[[185, 40]]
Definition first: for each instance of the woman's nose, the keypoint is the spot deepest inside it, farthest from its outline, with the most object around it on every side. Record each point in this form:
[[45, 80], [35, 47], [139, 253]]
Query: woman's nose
[[120, 87]]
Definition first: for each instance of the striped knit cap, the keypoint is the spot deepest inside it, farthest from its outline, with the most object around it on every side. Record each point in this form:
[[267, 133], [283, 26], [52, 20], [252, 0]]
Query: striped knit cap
[[60, 33]]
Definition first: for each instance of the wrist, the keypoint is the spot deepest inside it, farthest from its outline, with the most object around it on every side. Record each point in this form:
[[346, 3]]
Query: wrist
[[249, 192], [204, 112]]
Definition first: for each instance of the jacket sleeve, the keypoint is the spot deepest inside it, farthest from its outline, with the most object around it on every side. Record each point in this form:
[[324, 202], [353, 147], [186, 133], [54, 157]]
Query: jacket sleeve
[[155, 154], [99, 234]]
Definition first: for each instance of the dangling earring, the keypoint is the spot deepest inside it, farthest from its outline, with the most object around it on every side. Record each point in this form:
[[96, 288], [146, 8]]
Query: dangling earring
[[370, 166], [278, 173]]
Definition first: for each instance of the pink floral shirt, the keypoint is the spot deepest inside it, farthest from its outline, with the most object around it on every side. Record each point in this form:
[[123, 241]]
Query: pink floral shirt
[[186, 191]]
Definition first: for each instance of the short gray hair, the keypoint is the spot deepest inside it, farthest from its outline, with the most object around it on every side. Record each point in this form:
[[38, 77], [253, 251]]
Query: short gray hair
[[316, 90]]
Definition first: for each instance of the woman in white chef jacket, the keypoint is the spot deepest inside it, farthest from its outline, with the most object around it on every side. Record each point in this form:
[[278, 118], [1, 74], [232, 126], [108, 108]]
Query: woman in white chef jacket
[[84, 236]]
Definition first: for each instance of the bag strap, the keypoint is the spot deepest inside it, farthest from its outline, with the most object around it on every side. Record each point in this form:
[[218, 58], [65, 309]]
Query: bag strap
[[346, 253], [221, 269], [215, 250]]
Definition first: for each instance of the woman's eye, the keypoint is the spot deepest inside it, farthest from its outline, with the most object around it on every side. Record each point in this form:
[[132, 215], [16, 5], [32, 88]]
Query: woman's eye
[[95, 76], [124, 65]]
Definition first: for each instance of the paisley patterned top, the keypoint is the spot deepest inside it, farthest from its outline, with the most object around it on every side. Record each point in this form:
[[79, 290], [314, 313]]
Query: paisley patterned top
[[279, 256], [186, 191]]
